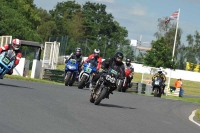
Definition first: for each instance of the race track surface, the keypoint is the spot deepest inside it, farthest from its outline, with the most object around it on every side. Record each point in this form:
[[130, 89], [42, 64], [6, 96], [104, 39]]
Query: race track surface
[[30, 107]]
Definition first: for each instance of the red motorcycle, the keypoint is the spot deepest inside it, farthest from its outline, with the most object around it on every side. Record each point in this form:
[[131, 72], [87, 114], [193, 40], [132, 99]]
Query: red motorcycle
[[122, 85]]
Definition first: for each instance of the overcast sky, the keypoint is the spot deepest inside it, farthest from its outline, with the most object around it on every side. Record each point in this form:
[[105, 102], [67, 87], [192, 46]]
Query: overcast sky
[[140, 16]]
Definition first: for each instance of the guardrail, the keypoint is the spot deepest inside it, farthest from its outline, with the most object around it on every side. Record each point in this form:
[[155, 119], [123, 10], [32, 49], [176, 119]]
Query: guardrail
[[53, 75], [137, 87]]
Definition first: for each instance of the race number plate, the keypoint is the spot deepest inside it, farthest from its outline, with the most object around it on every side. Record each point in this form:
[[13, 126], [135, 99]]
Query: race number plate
[[156, 83], [6, 60], [89, 70]]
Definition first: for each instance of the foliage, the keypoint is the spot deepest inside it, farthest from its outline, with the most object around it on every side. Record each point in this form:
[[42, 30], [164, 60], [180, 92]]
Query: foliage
[[168, 32], [159, 55], [15, 24]]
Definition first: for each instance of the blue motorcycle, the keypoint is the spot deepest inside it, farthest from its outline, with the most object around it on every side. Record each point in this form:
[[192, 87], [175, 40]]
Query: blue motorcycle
[[7, 60], [71, 71], [85, 76]]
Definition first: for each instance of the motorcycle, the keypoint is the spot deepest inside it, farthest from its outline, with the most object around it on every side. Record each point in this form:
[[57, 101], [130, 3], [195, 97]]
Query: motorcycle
[[158, 87], [102, 88], [85, 76], [7, 60], [71, 70], [122, 85]]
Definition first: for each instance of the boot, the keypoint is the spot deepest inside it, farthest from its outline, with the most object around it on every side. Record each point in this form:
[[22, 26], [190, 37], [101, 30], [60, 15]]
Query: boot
[[110, 92]]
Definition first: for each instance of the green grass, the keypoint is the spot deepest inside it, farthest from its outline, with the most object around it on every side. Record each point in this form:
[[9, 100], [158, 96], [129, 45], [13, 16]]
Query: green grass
[[186, 99], [198, 114], [30, 79]]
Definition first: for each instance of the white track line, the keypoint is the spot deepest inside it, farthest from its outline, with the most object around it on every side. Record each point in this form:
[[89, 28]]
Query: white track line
[[192, 116]]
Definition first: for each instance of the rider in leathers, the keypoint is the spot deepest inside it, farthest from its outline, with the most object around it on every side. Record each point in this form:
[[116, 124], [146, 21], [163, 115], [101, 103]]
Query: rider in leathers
[[78, 57], [114, 63], [159, 74], [129, 66]]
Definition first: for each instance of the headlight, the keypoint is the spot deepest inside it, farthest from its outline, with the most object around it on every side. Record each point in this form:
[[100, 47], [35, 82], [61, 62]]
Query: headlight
[[71, 67]]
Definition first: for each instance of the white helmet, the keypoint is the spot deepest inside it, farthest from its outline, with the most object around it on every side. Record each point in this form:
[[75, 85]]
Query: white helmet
[[160, 70], [16, 44], [96, 51]]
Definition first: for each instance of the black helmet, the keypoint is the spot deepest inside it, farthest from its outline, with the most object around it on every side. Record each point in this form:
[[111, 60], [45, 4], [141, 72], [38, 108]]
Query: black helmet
[[128, 61], [78, 50], [119, 55]]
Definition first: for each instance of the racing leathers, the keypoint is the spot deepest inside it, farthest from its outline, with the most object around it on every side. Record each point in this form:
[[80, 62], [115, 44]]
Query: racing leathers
[[98, 59], [130, 77], [159, 75], [18, 54], [79, 59], [111, 63]]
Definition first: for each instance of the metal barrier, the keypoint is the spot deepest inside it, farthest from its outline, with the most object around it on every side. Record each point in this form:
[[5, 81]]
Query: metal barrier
[[53, 75]]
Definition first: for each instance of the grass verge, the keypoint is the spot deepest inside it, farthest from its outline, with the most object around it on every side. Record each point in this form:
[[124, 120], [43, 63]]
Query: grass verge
[[31, 79], [198, 114], [186, 99]]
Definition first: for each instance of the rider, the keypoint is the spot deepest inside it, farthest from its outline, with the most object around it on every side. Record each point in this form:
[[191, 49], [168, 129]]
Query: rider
[[129, 66], [15, 46], [159, 74], [77, 56], [114, 63], [96, 56]]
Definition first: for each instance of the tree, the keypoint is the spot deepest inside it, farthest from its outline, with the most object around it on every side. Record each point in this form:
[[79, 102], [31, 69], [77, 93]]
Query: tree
[[168, 32], [101, 27], [15, 24], [160, 55], [27, 9], [67, 9], [48, 27]]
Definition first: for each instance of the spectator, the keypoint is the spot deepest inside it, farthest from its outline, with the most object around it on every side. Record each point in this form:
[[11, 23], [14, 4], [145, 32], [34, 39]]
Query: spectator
[[148, 81], [178, 84], [181, 83]]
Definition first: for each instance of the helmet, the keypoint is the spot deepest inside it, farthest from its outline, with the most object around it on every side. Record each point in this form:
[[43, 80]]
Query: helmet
[[128, 61], [119, 56], [78, 51], [96, 53], [16, 44], [160, 70]]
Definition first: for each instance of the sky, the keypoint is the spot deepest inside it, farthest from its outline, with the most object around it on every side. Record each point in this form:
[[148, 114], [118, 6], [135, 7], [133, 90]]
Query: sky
[[140, 17]]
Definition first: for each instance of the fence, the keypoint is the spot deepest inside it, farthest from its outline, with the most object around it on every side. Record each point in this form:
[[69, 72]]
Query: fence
[[137, 87], [63, 43], [53, 75]]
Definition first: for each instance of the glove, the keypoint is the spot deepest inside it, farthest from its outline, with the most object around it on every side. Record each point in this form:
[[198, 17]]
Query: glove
[[104, 70], [122, 78]]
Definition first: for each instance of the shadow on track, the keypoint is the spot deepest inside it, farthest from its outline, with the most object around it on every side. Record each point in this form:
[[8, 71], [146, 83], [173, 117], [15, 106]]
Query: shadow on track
[[1, 84], [115, 106]]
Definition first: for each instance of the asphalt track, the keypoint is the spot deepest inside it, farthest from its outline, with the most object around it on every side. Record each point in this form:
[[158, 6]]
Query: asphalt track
[[30, 107]]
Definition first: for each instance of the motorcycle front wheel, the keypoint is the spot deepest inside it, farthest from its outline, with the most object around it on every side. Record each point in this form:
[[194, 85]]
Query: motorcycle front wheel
[[100, 95], [67, 78], [81, 84], [157, 92]]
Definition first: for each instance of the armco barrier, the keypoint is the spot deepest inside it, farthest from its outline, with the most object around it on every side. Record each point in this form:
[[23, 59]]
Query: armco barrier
[[53, 75], [137, 87]]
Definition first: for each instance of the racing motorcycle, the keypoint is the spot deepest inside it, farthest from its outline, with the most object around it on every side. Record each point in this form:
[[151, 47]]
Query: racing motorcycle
[[122, 85], [71, 70], [158, 87], [86, 74], [102, 88], [7, 60]]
